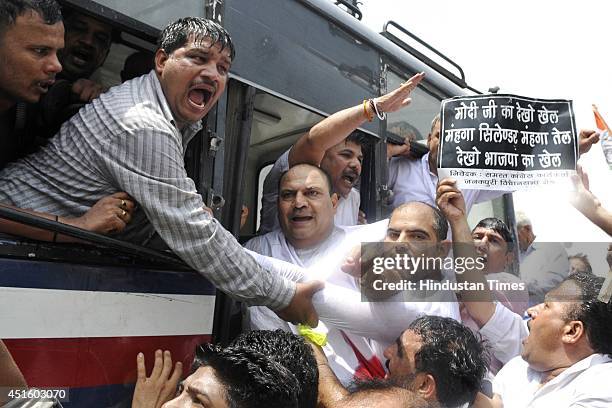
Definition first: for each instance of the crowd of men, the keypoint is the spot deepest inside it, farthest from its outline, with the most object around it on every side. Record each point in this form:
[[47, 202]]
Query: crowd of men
[[116, 165]]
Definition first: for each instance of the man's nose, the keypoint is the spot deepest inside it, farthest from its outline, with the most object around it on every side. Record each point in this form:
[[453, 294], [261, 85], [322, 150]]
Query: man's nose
[[87, 39], [403, 237], [53, 65], [211, 72], [481, 243], [300, 201], [355, 164]]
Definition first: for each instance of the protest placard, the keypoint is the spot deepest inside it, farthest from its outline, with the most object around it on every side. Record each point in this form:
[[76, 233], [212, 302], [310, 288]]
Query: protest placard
[[506, 142]]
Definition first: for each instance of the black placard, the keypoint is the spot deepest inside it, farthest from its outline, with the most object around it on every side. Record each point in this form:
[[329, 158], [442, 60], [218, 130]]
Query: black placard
[[506, 142]]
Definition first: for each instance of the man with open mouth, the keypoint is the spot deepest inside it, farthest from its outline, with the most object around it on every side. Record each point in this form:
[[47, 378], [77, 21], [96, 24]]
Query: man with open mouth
[[30, 37], [335, 146], [133, 138], [87, 43]]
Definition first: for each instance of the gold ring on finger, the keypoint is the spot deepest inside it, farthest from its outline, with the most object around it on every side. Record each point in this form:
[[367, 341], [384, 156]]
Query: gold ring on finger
[[123, 213], [123, 204]]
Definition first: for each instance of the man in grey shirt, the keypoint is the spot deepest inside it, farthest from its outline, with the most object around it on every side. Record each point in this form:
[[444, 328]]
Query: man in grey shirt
[[133, 139]]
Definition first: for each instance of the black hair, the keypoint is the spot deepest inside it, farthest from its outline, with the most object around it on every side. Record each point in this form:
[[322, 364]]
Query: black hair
[[440, 223], [291, 352], [595, 315], [498, 226], [175, 35], [358, 138], [48, 10], [251, 379], [453, 355], [326, 175]]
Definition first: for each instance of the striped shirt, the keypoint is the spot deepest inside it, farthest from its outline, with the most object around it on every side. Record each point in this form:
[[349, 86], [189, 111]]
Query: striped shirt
[[127, 140]]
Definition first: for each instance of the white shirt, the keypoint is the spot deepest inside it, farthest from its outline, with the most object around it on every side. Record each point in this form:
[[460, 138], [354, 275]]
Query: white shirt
[[341, 356], [339, 304], [347, 211], [411, 180], [584, 384], [505, 332], [543, 267]]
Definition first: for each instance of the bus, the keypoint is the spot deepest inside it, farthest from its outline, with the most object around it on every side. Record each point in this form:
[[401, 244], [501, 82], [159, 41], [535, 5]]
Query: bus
[[76, 316]]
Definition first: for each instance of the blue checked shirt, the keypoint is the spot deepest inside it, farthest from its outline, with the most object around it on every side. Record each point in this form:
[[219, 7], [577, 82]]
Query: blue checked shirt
[[127, 140]]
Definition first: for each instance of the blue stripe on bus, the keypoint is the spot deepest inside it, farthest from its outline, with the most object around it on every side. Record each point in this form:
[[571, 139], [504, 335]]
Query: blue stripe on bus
[[119, 395], [20, 273]]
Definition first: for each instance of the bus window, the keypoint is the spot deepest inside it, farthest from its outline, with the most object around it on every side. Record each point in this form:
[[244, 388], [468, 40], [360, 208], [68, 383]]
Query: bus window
[[277, 125]]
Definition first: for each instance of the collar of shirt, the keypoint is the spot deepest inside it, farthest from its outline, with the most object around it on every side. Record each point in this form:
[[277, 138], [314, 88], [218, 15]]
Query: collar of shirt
[[190, 130], [572, 371]]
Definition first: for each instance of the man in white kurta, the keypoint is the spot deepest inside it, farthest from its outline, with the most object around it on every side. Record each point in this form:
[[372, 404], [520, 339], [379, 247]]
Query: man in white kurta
[[416, 180], [565, 360], [308, 238]]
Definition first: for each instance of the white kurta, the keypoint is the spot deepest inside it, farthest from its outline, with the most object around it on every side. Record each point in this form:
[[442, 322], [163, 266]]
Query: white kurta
[[340, 305], [584, 384]]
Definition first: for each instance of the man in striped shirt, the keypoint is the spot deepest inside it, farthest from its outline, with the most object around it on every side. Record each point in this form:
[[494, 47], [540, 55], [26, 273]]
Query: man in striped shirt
[[133, 139]]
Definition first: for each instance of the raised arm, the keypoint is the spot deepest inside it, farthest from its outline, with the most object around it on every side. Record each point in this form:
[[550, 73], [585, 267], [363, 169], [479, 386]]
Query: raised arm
[[588, 204], [479, 303], [311, 147]]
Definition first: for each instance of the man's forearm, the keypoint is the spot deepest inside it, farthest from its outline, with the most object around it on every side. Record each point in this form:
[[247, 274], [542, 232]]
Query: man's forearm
[[602, 218], [26, 231], [479, 303], [311, 147]]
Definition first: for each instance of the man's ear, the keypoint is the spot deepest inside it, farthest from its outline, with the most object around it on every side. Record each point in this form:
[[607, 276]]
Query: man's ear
[[425, 385], [160, 60], [573, 331], [334, 200]]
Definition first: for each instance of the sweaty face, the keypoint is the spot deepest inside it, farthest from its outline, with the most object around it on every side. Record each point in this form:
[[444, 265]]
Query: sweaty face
[[305, 208], [343, 163], [433, 141], [544, 346], [193, 78], [400, 357], [493, 249], [87, 44], [28, 59], [200, 389]]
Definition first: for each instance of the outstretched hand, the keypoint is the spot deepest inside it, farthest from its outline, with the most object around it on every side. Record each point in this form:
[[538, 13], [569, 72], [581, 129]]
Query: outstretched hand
[[160, 387], [399, 98]]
